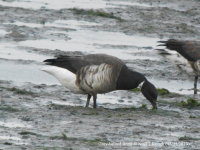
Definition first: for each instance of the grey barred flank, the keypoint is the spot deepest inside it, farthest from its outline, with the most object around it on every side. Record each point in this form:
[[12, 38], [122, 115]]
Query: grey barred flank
[[97, 78], [197, 66]]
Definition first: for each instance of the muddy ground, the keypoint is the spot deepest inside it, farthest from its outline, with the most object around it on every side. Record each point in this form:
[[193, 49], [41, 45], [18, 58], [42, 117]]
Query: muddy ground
[[45, 116]]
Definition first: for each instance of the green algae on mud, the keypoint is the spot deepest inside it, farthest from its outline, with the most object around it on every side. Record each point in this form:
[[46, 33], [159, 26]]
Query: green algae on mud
[[9, 108], [190, 103], [143, 109], [192, 116], [64, 136], [91, 113], [136, 90], [166, 93], [162, 91], [187, 138], [19, 91], [28, 133], [82, 140], [92, 12]]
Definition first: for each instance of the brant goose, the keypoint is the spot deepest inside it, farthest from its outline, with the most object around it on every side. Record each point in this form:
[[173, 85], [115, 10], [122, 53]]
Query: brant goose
[[98, 73], [189, 58]]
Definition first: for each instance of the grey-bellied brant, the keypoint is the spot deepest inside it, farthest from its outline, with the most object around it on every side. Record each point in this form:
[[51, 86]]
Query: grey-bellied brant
[[98, 73], [190, 50]]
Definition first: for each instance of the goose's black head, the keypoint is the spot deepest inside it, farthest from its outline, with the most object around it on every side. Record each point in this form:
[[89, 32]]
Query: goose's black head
[[150, 92]]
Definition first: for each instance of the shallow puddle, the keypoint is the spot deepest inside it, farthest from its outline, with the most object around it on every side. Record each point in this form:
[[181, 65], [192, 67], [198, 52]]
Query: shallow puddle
[[177, 86], [14, 125], [65, 122], [103, 99], [171, 126], [86, 4], [10, 138], [14, 140], [85, 41], [10, 51], [174, 6], [58, 23], [90, 41], [51, 4], [25, 73], [88, 48], [21, 143], [57, 102], [3, 32], [128, 3]]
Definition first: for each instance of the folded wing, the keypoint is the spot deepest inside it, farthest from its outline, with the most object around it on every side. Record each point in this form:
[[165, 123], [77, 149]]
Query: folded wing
[[75, 63], [188, 49]]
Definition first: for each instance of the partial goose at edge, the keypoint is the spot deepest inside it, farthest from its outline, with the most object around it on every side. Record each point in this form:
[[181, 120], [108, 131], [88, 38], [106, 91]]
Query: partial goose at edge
[[188, 57]]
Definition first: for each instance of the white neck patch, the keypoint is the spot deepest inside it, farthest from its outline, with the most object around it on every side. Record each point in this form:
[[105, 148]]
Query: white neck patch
[[141, 84]]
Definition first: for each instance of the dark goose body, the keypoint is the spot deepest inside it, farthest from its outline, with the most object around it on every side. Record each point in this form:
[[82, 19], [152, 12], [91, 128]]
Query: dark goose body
[[98, 73], [190, 51]]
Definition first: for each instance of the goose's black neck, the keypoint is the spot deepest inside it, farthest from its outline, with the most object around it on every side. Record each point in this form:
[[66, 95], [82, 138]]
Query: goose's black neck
[[128, 79]]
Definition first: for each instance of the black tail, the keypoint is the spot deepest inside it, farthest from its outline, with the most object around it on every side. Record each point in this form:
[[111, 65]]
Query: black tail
[[57, 59], [49, 60], [62, 61], [162, 41], [172, 44]]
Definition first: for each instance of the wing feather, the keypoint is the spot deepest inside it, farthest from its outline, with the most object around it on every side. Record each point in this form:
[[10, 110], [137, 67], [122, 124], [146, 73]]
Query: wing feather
[[75, 63], [188, 49]]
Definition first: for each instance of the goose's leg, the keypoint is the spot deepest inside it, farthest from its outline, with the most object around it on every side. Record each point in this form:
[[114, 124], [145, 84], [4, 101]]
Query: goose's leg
[[195, 85], [88, 100], [94, 101]]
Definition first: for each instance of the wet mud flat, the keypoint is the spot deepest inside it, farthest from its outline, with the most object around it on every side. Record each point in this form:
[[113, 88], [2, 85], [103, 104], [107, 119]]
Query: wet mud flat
[[39, 116], [36, 112]]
